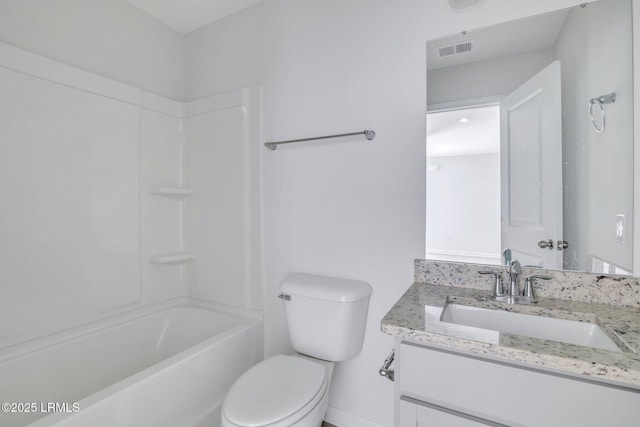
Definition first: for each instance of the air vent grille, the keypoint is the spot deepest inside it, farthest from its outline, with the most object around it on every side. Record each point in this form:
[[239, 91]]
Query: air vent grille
[[446, 51], [455, 49], [464, 47]]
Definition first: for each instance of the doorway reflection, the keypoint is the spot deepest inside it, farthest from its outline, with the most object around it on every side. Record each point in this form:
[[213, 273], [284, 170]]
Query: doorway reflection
[[463, 184]]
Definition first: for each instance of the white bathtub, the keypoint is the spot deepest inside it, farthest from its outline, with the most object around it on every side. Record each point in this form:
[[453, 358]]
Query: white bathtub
[[168, 365]]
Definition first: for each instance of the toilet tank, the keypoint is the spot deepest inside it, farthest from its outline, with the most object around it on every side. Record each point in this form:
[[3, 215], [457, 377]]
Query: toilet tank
[[326, 315]]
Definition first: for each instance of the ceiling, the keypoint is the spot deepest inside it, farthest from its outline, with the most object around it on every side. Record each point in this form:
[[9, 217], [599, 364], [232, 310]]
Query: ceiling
[[188, 15], [511, 38]]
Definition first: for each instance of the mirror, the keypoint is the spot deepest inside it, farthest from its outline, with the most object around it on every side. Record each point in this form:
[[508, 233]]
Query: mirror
[[494, 181]]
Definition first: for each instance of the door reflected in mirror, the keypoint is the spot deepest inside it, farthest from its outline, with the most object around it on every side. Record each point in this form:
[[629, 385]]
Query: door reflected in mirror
[[513, 158]]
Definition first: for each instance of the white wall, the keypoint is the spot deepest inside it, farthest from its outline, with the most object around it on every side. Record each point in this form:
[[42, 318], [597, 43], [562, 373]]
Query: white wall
[[111, 38], [463, 206], [80, 156], [62, 240], [88, 224], [489, 78], [597, 60], [353, 208], [223, 218], [162, 144], [79, 153]]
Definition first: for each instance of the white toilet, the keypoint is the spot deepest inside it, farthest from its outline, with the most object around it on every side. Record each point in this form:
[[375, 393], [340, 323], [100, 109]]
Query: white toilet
[[326, 318]]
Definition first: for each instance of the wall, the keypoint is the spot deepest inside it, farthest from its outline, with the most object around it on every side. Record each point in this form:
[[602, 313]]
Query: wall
[[597, 60], [485, 79], [348, 208], [79, 155], [111, 38], [463, 207], [222, 219], [82, 163]]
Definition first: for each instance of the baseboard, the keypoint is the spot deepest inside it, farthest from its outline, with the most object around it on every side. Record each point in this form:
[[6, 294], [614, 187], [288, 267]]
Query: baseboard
[[340, 418]]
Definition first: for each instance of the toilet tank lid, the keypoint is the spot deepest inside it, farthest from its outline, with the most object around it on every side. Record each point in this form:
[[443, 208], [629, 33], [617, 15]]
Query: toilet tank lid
[[325, 288]]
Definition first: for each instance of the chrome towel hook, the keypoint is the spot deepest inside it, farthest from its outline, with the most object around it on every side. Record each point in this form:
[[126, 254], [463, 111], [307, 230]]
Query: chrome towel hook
[[600, 101]]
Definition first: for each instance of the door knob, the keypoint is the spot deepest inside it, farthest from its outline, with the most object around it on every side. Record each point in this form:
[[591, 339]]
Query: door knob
[[562, 244], [545, 244]]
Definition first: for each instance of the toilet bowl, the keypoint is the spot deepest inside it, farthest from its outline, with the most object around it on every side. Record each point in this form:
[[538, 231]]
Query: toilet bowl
[[326, 318], [281, 391]]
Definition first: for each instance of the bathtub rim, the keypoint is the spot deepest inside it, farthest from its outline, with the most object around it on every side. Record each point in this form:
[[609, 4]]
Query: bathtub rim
[[243, 316]]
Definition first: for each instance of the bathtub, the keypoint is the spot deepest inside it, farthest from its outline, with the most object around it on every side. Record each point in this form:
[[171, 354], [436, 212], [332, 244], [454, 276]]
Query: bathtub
[[166, 365]]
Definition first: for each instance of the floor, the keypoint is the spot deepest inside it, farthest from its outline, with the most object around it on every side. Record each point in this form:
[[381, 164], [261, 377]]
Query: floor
[[327, 425]]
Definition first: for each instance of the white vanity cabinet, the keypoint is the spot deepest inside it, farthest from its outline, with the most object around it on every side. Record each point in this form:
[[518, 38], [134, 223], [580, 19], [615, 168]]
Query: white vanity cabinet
[[437, 387]]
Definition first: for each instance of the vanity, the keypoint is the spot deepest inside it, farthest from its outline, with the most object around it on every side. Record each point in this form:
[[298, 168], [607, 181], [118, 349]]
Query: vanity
[[463, 358]]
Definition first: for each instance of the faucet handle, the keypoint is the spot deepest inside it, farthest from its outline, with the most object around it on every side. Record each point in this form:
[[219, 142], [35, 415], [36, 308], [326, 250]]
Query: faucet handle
[[529, 291], [497, 284]]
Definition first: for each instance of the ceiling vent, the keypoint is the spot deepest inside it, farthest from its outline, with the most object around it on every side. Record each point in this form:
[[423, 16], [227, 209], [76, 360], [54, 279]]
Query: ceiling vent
[[455, 49]]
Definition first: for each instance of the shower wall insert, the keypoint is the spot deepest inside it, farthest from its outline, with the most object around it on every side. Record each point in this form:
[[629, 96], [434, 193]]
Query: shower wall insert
[[118, 199]]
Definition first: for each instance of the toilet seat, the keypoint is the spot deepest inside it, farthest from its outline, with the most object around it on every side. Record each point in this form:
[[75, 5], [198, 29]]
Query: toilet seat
[[281, 388]]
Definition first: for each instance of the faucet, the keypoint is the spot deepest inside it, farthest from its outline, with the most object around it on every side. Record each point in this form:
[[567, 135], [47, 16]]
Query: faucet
[[512, 294], [515, 269]]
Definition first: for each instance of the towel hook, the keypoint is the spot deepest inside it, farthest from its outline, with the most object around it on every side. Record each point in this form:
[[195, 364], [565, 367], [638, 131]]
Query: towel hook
[[599, 101]]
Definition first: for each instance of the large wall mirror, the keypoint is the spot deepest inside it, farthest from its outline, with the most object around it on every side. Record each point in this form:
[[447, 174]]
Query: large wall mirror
[[529, 156]]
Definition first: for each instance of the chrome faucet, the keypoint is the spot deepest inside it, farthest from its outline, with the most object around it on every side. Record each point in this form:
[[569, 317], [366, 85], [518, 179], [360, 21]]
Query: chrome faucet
[[512, 294], [515, 269]]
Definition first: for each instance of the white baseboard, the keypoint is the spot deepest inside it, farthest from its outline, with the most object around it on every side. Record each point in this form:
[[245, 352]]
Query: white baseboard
[[340, 418]]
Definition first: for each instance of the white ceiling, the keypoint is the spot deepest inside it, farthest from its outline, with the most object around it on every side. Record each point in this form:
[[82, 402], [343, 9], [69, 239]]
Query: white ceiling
[[188, 15], [511, 38], [447, 136]]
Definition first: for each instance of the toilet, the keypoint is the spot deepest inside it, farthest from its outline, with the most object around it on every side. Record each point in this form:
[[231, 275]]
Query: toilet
[[326, 318]]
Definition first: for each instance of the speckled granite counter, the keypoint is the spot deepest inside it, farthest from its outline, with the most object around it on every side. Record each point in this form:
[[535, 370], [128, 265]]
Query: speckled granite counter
[[416, 317]]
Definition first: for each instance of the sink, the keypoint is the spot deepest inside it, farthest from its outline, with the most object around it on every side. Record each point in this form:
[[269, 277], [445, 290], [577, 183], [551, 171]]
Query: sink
[[547, 328]]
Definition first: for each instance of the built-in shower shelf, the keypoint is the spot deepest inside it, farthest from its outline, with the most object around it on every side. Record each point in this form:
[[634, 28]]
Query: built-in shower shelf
[[177, 193], [172, 258]]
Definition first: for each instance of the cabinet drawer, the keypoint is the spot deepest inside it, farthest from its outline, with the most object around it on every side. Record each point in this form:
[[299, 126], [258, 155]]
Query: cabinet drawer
[[508, 394], [422, 414]]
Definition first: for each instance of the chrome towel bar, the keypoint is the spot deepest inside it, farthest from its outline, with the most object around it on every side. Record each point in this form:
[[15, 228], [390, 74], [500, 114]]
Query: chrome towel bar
[[369, 134]]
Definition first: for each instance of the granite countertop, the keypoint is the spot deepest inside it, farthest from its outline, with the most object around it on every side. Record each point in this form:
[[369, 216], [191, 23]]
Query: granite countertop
[[416, 317]]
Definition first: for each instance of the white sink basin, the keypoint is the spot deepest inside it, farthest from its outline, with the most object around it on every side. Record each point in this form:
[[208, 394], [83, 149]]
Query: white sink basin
[[547, 328]]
